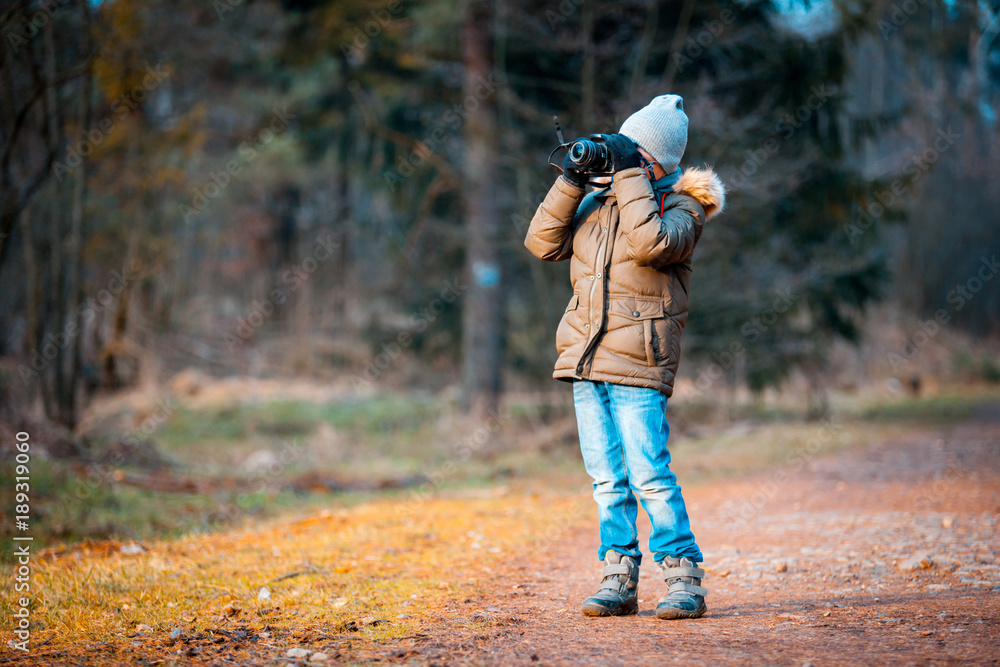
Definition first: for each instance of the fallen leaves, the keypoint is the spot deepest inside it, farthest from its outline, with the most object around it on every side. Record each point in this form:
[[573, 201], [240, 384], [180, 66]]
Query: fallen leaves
[[359, 624]]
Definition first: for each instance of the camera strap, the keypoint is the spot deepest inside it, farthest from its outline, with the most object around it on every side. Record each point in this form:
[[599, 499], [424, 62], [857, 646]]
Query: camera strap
[[648, 168]]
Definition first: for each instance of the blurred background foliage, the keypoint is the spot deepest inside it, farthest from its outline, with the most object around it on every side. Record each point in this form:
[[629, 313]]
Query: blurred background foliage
[[293, 188]]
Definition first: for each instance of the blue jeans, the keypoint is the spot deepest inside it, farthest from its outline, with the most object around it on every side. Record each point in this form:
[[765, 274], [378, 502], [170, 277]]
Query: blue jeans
[[623, 437]]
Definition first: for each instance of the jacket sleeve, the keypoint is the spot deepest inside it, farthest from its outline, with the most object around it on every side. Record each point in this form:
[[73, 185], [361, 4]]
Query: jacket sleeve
[[550, 234], [652, 239]]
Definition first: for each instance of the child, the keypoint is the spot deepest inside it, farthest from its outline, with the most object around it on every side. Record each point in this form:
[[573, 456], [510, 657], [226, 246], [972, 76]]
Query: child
[[630, 246]]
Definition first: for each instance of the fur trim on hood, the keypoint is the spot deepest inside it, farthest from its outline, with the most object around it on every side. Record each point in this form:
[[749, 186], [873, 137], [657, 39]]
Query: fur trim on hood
[[704, 185]]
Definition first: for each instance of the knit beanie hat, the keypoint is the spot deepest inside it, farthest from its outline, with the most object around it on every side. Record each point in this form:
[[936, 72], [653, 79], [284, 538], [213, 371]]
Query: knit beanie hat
[[661, 128]]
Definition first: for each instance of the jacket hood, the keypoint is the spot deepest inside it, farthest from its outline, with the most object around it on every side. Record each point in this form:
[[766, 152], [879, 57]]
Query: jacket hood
[[705, 186]]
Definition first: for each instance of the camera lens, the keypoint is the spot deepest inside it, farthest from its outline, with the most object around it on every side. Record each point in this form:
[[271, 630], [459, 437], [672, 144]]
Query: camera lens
[[589, 155], [583, 153]]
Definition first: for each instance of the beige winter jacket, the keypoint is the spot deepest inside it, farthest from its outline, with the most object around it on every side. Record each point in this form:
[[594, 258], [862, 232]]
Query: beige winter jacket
[[630, 265]]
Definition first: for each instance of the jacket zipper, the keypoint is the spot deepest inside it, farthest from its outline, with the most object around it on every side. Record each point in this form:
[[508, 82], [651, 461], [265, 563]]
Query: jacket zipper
[[594, 331]]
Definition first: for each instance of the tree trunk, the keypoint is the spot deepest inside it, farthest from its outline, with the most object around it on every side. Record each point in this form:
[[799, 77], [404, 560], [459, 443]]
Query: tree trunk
[[482, 313], [16, 195], [641, 53], [680, 34], [57, 300], [75, 292], [33, 299], [342, 286], [588, 74], [121, 361]]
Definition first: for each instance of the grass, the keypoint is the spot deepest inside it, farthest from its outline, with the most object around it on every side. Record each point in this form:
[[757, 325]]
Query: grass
[[378, 440], [384, 437], [384, 414], [68, 507], [399, 564], [945, 409], [764, 438]]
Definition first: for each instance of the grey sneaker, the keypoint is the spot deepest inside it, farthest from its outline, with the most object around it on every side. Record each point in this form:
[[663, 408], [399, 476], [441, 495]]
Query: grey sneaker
[[619, 588], [685, 597]]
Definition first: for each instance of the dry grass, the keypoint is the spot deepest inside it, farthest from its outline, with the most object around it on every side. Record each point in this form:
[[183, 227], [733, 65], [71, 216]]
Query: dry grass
[[398, 563]]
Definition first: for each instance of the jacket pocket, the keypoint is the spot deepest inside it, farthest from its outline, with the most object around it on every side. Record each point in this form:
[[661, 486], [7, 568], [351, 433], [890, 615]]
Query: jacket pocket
[[639, 314], [574, 302], [635, 309]]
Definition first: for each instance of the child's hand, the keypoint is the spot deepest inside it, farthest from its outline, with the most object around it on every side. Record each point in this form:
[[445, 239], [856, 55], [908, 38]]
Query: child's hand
[[623, 151], [572, 174]]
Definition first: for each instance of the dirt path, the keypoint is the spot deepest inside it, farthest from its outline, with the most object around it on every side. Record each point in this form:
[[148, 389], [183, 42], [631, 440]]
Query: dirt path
[[808, 565]]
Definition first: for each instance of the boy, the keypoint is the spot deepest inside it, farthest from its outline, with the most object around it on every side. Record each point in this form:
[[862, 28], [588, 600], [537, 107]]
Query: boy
[[630, 246]]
